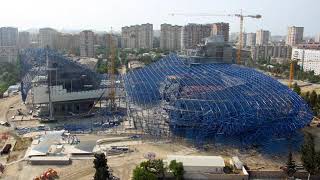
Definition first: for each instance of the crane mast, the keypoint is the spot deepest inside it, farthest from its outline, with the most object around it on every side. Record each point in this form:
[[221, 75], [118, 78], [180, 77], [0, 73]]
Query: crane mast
[[111, 73], [240, 41]]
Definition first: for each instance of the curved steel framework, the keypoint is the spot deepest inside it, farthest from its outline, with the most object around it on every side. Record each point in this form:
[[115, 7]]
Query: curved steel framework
[[216, 101]]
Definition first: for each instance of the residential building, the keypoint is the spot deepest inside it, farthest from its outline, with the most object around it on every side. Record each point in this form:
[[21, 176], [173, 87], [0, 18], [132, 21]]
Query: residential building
[[137, 36], [262, 37], [244, 40], [317, 38], [24, 40], [170, 37], [309, 46], [156, 42], [67, 43], [8, 54], [8, 36], [146, 36], [276, 52], [194, 34], [221, 29], [100, 39], [308, 59], [294, 36], [111, 38], [87, 43], [47, 37], [251, 39]]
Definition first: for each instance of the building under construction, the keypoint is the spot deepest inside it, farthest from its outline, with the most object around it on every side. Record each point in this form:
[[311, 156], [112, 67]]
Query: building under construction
[[59, 86], [217, 102], [176, 96]]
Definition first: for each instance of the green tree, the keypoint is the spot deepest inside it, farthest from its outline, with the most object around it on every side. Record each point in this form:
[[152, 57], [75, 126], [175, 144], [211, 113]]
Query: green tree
[[290, 166], [140, 173], [149, 169], [102, 169], [306, 97], [296, 88], [177, 169], [313, 99], [308, 154]]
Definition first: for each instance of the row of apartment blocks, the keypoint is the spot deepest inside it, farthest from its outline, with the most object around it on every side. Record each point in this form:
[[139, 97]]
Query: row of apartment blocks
[[172, 37], [262, 37]]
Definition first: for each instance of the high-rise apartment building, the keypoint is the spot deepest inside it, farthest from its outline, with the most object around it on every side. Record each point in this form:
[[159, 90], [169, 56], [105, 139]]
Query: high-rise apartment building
[[251, 39], [8, 36], [137, 36], [87, 43], [221, 29], [146, 36], [294, 36], [67, 42], [111, 38], [170, 37], [244, 40], [193, 34], [317, 38], [24, 40], [47, 37], [262, 37]]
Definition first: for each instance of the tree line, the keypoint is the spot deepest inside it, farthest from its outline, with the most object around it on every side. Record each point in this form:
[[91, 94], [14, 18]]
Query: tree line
[[9, 75], [313, 99]]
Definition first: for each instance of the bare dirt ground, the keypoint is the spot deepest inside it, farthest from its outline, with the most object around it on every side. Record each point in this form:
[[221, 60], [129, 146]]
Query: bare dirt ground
[[5, 105], [123, 165]]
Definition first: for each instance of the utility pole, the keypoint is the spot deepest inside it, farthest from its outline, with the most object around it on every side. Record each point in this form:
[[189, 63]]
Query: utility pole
[[49, 88]]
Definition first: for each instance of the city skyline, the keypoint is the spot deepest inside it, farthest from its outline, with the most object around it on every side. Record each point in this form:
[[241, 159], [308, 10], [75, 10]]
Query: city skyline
[[98, 15]]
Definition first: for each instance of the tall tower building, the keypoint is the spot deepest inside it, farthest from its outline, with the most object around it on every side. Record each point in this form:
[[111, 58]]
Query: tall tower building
[[145, 36], [47, 37], [221, 29], [137, 36], [317, 38], [262, 37], [244, 40], [251, 39], [193, 34], [8, 36], [294, 36], [24, 40], [170, 37], [87, 43]]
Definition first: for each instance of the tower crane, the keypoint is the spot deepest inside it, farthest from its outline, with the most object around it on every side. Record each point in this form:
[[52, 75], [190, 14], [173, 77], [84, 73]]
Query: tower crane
[[111, 72], [241, 16]]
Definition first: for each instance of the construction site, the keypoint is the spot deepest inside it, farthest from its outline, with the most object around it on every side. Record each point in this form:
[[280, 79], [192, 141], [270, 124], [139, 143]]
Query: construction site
[[205, 102], [177, 105]]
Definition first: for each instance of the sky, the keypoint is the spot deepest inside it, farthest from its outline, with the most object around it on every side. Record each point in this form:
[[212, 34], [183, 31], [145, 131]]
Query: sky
[[102, 15]]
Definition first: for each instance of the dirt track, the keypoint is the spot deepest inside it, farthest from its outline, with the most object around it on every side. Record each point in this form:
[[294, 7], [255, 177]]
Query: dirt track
[[5, 106]]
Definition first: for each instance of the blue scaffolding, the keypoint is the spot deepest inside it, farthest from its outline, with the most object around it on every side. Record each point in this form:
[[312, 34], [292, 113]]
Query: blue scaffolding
[[33, 63], [216, 102]]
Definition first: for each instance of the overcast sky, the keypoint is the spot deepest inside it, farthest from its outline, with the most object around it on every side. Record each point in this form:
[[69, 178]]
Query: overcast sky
[[100, 15]]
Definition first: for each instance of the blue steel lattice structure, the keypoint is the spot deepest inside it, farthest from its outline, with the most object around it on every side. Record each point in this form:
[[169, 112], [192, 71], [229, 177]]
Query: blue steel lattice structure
[[214, 101]]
